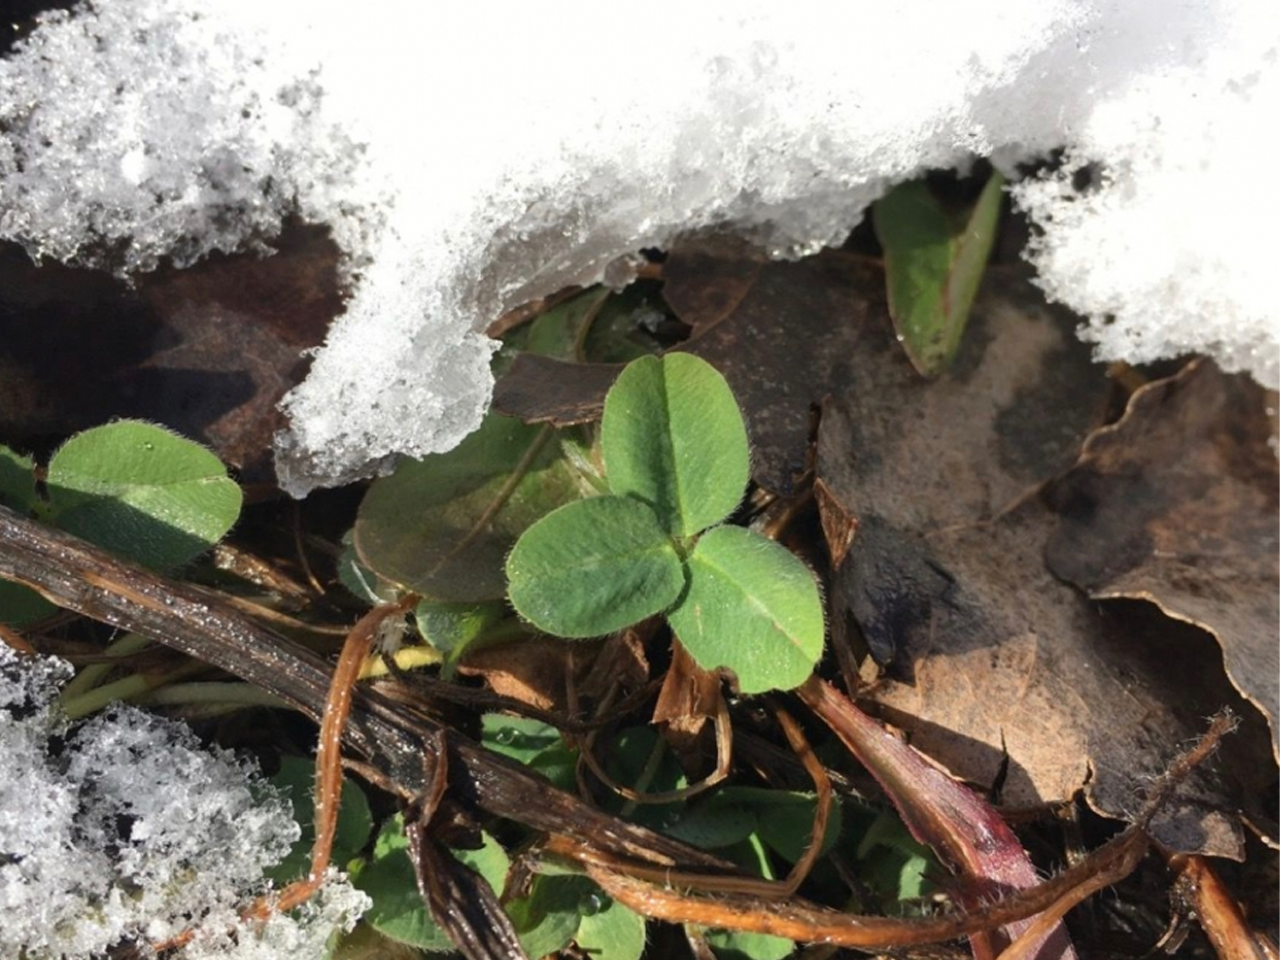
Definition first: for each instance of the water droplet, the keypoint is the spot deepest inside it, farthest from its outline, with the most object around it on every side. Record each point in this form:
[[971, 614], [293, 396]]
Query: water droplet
[[590, 905], [506, 736], [148, 445]]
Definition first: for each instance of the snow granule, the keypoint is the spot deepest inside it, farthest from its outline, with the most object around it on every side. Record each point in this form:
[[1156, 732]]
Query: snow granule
[[126, 828], [472, 157]]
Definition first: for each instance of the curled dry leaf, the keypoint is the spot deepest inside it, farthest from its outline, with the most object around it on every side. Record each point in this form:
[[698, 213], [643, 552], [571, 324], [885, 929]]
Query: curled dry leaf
[[1177, 504], [707, 279], [546, 669], [839, 525], [539, 676], [689, 697], [984, 649]]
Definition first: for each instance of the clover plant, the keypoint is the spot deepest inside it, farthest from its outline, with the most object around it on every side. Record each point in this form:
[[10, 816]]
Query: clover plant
[[676, 461]]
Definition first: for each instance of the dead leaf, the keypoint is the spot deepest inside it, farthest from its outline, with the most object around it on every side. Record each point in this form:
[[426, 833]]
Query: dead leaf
[[542, 670], [67, 332], [986, 650], [689, 696], [707, 278], [540, 389], [1177, 504], [538, 675], [208, 350], [839, 525], [620, 666], [782, 334], [236, 331]]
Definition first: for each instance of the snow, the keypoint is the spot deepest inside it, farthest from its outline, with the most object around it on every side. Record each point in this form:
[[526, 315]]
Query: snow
[[474, 157], [126, 828]]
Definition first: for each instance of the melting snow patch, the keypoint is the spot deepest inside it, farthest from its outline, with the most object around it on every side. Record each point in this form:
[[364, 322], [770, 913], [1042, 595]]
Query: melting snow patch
[[473, 157], [126, 828]]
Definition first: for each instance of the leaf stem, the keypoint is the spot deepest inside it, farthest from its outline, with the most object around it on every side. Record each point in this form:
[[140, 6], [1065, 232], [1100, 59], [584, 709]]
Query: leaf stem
[[213, 692], [131, 688], [90, 675], [647, 773]]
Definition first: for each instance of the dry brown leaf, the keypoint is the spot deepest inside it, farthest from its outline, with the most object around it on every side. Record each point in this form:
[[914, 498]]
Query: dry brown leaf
[[782, 334], [839, 524], [689, 695], [986, 650], [67, 332], [541, 671], [619, 667], [707, 278], [538, 676], [541, 389], [1177, 504], [208, 350]]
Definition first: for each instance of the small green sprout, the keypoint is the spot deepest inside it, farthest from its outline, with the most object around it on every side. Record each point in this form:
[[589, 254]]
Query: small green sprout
[[933, 263], [677, 462]]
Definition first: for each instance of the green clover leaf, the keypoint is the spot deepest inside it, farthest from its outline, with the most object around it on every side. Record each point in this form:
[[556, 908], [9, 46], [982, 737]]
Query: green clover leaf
[[677, 462]]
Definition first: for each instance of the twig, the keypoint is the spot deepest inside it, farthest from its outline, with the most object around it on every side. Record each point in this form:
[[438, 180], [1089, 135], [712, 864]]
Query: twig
[[822, 811], [1217, 910], [92, 582]]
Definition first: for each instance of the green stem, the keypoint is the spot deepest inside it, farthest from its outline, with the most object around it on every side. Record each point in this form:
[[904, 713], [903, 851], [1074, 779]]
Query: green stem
[[211, 692], [89, 676], [130, 689], [584, 328]]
